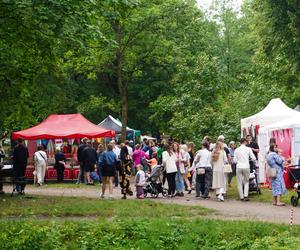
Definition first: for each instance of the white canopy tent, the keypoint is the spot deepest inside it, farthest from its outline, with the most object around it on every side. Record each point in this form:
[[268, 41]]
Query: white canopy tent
[[275, 111]]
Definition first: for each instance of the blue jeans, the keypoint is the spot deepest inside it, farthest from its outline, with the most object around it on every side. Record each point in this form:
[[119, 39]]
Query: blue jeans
[[179, 182]]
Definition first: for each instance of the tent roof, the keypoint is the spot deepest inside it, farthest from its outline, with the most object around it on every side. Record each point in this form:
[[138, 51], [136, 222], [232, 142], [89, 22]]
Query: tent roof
[[63, 126], [115, 125], [275, 111], [287, 123], [297, 108]]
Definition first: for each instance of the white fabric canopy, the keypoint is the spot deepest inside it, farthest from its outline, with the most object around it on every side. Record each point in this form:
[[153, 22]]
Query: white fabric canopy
[[287, 123], [275, 111]]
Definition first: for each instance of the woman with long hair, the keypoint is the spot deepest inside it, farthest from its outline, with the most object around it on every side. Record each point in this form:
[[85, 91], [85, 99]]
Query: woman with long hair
[[125, 171], [219, 159], [278, 186], [185, 166], [169, 162], [180, 169]]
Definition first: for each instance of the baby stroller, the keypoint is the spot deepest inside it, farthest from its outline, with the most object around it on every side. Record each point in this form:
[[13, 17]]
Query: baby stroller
[[253, 180], [154, 185], [294, 175]]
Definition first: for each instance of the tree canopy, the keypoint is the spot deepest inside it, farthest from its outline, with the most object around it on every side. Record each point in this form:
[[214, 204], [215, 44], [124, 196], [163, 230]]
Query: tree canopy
[[162, 66]]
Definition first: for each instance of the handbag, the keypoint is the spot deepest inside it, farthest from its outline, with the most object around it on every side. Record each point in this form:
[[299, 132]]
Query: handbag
[[227, 168], [200, 171], [272, 172]]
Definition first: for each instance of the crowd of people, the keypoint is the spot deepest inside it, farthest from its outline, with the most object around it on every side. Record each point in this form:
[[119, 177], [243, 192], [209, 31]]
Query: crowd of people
[[184, 168]]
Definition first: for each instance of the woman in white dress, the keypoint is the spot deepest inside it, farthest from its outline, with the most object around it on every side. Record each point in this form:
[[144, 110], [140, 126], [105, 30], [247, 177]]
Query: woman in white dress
[[219, 159]]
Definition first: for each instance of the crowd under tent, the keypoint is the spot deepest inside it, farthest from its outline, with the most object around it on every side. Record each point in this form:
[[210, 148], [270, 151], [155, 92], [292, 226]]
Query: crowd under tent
[[63, 131], [256, 125], [115, 125]]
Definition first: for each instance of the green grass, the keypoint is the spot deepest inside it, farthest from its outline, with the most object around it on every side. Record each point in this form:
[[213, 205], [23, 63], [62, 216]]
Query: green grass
[[49, 206], [266, 194], [146, 233]]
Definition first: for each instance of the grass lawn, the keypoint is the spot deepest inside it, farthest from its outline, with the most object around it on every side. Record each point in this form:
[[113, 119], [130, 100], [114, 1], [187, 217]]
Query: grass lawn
[[50, 206], [45, 222]]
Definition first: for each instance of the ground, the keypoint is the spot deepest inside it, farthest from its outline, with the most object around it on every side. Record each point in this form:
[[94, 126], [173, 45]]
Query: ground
[[70, 216], [259, 208]]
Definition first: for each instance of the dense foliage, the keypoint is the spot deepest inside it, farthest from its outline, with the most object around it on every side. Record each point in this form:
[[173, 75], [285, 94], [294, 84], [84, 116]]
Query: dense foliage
[[163, 66], [146, 234]]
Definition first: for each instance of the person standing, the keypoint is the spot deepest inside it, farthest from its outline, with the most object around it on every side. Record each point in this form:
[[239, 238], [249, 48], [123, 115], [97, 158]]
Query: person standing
[[203, 170], [140, 181], [79, 158], [40, 163], [2, 156], [108, 161], [117, 151], [219, 159], [253, 145], [186, 166], [169, 162], [138, 155], [89, 160], [278, 186], [20, 156], [232, 147], [100, 151], [60, 164], [241, 157], [125, 172], [130, 150], [180, 170]]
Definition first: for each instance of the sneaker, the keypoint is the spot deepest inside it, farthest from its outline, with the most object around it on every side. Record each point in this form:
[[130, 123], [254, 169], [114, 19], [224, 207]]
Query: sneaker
[[220, 197], [189, 192], [181, 194], [102, 196], [246, 199]]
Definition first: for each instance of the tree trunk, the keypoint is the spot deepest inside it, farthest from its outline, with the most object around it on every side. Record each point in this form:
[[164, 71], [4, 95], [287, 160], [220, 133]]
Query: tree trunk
[[121, 85]]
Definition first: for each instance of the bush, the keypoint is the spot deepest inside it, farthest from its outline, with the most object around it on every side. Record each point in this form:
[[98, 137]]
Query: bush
[[146, 234]]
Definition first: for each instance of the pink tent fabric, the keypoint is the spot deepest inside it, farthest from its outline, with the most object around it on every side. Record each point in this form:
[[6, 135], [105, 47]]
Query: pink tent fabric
[[284, 141], [63, 126]]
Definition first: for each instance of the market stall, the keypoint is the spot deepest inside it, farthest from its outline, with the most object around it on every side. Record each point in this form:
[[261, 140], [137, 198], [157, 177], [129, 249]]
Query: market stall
[[287, 135], [64, 131], [256, 125], [115, 125]]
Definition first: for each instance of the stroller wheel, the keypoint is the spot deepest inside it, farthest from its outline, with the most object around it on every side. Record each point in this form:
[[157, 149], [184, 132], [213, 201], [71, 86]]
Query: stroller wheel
[[294, 201], [154, 195], [164, 192]]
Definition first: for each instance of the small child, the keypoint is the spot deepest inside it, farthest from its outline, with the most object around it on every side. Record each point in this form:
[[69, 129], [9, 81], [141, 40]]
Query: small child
[[153, 160], [139, 181]]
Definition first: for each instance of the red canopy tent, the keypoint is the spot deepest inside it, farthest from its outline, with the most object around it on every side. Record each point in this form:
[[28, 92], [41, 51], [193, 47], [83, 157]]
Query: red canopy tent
[[63, 127]]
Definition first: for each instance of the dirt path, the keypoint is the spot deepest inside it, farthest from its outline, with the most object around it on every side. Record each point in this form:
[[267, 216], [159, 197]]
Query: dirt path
[[228, 210]]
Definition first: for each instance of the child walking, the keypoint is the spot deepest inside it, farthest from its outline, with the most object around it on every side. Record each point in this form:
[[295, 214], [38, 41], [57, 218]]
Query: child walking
[[140, 182]]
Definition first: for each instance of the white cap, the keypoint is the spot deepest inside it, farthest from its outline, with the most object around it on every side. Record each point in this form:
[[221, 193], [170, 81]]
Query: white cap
[[221, 137]]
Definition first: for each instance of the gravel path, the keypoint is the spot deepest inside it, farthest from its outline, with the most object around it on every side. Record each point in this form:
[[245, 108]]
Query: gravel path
[[228, 210]]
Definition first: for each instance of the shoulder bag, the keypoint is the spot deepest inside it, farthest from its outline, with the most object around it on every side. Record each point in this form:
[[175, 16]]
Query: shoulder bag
[[227, 168], [272, 172]]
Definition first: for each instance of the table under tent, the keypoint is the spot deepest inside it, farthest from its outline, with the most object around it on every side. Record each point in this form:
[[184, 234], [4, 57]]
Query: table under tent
[[64, 131]]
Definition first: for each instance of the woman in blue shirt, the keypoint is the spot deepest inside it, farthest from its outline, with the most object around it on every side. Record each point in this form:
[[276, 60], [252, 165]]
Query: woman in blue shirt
[[107, 162]]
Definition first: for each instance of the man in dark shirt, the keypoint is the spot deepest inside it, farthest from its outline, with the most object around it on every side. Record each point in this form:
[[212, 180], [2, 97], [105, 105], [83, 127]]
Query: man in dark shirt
[[60, 162], [20, 156], [253, 145], [89, 160], [79, 158]]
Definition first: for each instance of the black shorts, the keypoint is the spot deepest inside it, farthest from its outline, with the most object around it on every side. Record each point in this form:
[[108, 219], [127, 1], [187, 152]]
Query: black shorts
[[109, 170], [89, 167]]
